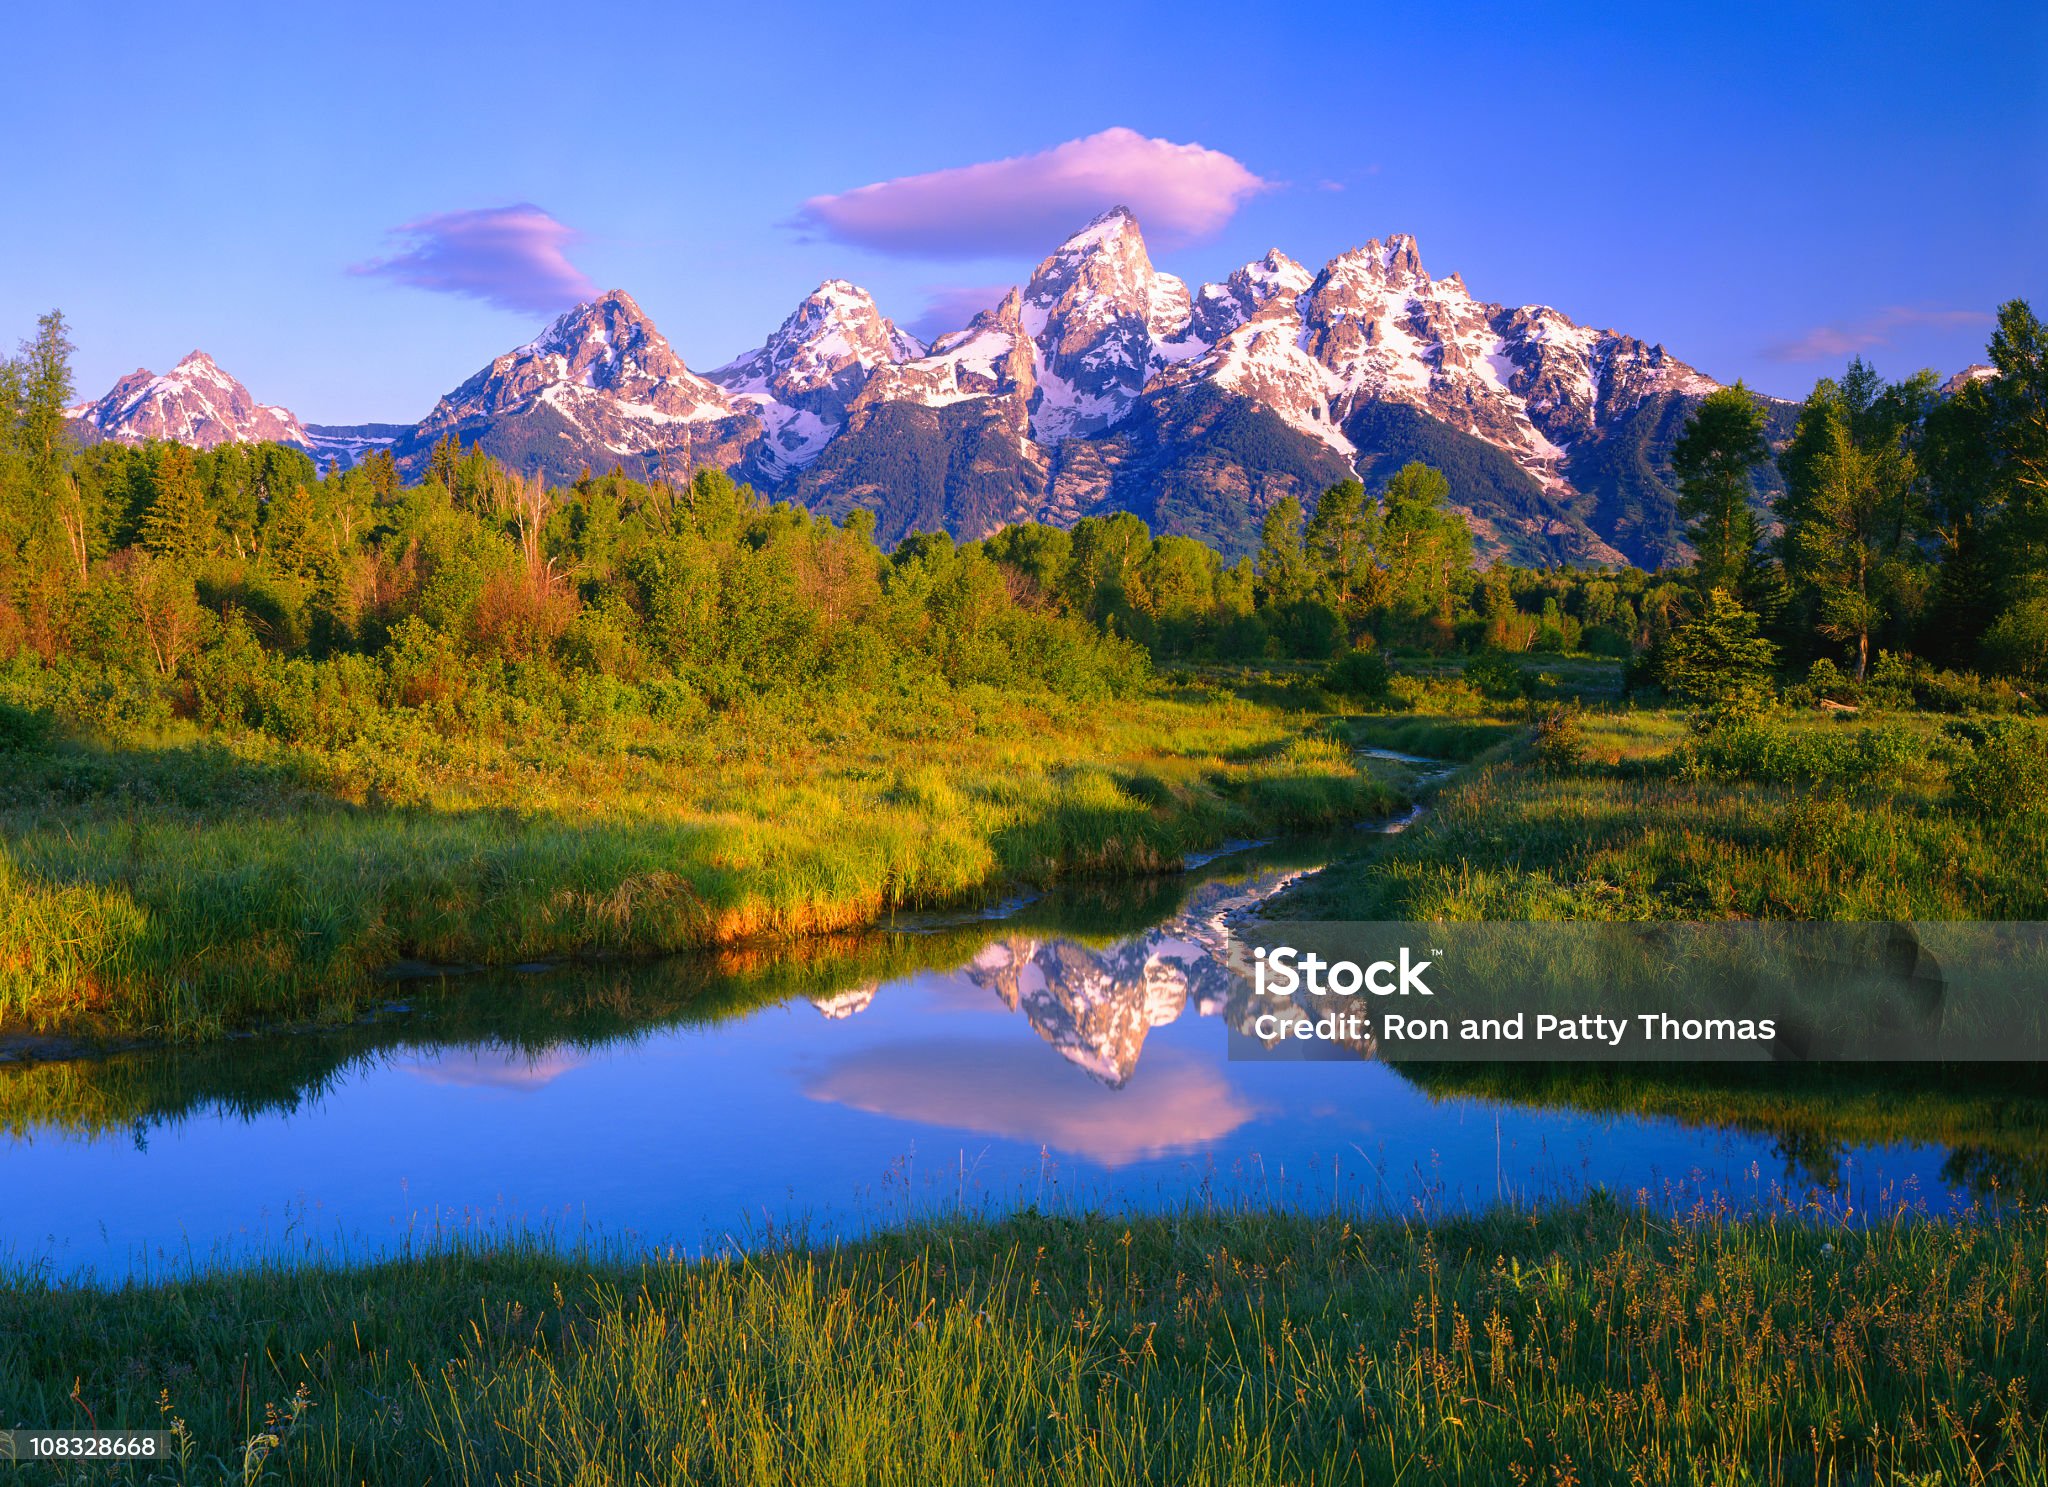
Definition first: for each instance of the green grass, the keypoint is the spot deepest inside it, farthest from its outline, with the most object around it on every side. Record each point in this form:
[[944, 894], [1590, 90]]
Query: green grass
[[1587, 1344], [1848, 820], [194, 885]]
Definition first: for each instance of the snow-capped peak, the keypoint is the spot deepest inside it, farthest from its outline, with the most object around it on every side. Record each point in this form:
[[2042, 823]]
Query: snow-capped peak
[[804, 378], [195, 403], [604, 371], [1099, 315], [1118, 223], [833, 338]]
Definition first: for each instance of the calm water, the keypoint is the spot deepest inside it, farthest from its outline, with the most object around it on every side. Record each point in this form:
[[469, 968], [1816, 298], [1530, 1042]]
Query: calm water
[[1073, 1053]]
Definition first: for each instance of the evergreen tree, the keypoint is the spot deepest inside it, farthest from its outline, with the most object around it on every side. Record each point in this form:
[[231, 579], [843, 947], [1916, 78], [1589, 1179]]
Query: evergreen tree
[[1960, 516], [1852, 511], [2018, 396], [1714, 460], [177, 524], [1716, 659], [45, 393]]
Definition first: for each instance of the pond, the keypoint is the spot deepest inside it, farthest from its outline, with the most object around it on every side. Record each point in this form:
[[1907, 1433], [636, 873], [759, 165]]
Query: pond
[[1074, 1050]]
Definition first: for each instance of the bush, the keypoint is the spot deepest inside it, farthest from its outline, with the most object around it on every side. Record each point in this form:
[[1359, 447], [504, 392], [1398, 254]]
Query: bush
[[22, 730], [2017, 641], [1965, 692], [2002, 772], [1825, 682], [1893, 680], [1361, 673], [1852, 756], [1497, 677], [1560, 735]]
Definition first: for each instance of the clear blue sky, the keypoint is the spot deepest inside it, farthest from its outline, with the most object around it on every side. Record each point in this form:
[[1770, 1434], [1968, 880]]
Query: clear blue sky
[[1758, 187]]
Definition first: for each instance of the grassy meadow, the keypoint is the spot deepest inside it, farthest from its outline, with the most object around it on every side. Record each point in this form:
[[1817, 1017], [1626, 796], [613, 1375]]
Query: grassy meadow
[[1588, 1343], [1580, 805], [187, 885]]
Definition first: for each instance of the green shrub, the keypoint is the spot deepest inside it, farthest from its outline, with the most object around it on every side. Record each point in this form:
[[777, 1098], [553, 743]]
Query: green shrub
[[1825, 682], [1893, 680], [22, 730], [1497, 677], [1875, 757], [2002, 773], [1361, 673], [1560, 735], [2017, 642]]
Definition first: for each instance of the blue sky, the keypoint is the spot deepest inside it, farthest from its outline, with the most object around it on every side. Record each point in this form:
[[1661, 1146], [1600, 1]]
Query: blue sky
[[1761, 188]]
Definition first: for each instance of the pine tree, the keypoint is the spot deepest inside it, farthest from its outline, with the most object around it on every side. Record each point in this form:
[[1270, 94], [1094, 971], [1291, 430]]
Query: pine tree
[[177, 524], [1714, 460], [1716, 659]]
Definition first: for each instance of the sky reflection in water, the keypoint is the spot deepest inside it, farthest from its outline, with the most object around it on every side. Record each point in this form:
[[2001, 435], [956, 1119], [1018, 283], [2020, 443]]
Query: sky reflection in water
[[1041, 1071]]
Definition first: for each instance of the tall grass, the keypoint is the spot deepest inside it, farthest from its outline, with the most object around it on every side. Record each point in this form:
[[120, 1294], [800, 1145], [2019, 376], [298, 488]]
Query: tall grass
[[1592, 1343], [1798, 818], [189, 887]]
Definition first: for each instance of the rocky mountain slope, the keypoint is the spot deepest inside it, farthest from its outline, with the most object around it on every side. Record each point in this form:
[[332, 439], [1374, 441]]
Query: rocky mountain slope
[[600, 388], [194, 403], [198, 403], [1100, 384]]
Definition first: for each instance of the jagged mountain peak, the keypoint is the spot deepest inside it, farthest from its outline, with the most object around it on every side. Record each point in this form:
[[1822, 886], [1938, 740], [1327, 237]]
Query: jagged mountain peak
[[604, 341], [835, 336], [1006, 314], [196, 402], [1117, 224], [1394, 263], [803, 380], [600, 385], [1098, 312], [1219, 309]]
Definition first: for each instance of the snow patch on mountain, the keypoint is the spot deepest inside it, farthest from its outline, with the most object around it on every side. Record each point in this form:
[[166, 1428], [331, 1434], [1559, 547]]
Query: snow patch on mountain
[[194, 403]]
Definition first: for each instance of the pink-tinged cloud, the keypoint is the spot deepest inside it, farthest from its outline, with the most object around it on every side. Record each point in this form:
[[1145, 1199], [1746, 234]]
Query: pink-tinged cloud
[[511, 257], [1831, 342], [951, 306], [1027, 203], [492, 1066]]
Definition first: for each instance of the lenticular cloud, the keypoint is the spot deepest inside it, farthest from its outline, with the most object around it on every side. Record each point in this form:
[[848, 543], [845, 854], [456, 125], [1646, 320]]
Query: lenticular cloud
[[510, 257], [1179, 193]]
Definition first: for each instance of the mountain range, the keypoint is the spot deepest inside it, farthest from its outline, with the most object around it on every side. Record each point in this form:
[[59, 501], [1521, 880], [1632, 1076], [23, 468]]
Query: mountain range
[[1100, 385]]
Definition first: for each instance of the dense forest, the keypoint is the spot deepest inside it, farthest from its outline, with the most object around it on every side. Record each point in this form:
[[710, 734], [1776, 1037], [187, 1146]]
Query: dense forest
[[240, 587]]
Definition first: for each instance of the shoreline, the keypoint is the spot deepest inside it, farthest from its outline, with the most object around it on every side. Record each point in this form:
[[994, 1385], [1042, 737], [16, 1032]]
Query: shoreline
[[1564, 1337]]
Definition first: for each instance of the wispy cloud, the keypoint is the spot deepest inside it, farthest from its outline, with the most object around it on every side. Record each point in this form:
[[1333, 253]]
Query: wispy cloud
[[511, 257], [1831, 342], [1024, 203], [951, 306]]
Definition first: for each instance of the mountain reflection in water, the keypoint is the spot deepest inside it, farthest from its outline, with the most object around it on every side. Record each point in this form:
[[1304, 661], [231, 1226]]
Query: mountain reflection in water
[[778, 1084], [1013, 1092]]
